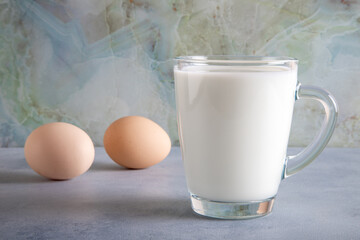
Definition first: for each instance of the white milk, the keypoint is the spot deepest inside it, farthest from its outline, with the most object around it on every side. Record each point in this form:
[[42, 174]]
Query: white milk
[[234, 125]]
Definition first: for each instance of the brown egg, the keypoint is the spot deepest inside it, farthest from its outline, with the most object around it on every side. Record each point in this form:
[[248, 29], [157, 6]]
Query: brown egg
[[136, 142], [59, 151]]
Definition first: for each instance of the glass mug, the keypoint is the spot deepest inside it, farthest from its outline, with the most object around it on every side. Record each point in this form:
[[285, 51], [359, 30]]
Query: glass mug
[[234, 116]]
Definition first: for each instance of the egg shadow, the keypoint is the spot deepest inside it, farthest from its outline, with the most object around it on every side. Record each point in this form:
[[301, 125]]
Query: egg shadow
[[104, 166], [109, 166]]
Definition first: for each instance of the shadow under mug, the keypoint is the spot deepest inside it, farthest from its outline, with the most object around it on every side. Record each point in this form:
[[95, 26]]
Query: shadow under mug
[[234, 116]]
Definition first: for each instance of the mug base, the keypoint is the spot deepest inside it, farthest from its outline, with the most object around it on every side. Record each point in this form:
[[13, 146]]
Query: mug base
[[231, 210]]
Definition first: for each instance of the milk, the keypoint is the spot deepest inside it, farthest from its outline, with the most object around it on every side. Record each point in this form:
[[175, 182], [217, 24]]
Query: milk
[[234, 125]]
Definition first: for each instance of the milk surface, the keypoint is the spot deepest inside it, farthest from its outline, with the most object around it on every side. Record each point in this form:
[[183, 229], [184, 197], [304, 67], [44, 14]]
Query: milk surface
[[234, 125]]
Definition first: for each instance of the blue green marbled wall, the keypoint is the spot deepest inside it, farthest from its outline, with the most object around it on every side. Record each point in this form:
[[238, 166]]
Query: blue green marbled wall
[[90, 62]]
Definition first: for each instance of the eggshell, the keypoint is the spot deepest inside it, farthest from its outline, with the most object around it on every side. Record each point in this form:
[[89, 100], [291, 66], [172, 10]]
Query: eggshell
[[59, 151], [136, 142]]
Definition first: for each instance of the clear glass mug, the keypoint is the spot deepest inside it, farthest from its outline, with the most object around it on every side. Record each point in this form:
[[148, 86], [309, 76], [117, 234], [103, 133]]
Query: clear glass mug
[[234, 116]]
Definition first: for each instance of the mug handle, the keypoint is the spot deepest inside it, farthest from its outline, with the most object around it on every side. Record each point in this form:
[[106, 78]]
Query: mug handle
[[306, 156]]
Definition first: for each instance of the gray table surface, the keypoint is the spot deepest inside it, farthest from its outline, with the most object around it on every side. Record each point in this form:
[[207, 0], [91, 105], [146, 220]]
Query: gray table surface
[[109, 202]]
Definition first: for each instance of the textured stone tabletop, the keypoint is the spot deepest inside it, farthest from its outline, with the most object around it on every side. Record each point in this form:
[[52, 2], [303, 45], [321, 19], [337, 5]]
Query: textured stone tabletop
[[109, 202]]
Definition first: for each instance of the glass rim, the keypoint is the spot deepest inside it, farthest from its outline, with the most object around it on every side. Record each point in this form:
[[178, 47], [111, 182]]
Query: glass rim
[[236, 59]]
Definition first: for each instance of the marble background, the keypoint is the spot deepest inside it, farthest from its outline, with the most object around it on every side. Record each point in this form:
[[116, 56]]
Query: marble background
[[89, 62]]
